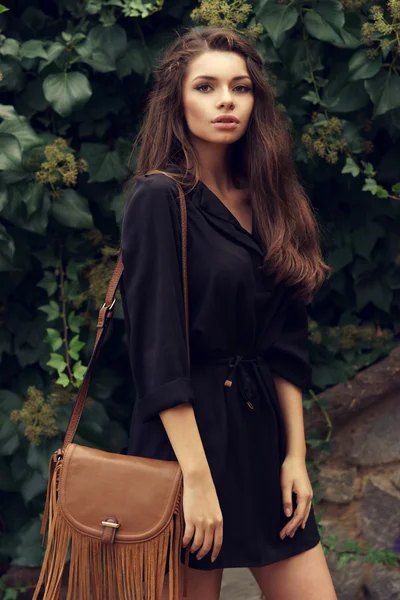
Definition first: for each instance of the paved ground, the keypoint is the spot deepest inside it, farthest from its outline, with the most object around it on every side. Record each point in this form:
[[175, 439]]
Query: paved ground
[[239, 584]]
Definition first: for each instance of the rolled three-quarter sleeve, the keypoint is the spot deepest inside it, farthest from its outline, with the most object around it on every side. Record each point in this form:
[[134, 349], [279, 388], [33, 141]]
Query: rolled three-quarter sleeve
[[289, 356], [152, 295]]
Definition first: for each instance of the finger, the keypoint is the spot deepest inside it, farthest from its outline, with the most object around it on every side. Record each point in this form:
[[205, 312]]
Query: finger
[[287, 500], [218, 537], [299, 514], [189, 533], [295, 522], [207, 542], [198, 539], [307, 515]]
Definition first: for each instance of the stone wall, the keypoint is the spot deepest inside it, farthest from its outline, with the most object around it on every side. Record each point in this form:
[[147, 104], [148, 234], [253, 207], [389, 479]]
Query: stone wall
[[360, 480]]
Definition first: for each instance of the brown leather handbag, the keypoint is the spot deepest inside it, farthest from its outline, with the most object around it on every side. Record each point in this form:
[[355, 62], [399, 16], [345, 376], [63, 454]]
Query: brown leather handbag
[[121, 517]]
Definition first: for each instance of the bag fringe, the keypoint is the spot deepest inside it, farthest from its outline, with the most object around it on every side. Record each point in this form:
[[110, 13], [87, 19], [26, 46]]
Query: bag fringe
[[99, 571]]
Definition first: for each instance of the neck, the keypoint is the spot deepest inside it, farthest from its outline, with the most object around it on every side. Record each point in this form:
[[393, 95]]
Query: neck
[[214, 162]]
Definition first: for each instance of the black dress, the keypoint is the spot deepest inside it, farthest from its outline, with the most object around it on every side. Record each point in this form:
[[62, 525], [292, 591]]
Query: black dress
[[235, 313]]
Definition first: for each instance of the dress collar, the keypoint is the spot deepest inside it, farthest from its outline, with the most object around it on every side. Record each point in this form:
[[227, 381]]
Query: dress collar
[[224, 219], [219, 215]]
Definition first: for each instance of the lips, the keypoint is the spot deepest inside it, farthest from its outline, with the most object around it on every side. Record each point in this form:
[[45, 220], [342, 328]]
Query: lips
[[226, 119]]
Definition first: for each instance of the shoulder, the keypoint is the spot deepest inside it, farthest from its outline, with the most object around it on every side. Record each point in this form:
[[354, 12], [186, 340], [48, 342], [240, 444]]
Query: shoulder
[[151, 201], [155, 192], [155, 186]]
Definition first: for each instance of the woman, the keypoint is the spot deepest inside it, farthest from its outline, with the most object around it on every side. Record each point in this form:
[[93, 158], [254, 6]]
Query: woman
[[234, 419]]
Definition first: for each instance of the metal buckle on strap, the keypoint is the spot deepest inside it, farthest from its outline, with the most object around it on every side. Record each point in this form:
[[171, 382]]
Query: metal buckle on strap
[[110, 524], [111, 305]]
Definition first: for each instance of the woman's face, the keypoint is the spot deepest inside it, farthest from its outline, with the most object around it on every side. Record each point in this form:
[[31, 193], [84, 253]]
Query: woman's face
[[217, 83]]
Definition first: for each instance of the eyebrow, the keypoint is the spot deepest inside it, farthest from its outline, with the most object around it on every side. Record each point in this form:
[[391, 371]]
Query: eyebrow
[[211, 78]]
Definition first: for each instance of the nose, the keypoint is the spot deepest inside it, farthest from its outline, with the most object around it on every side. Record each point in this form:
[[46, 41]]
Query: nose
[[226, 98]]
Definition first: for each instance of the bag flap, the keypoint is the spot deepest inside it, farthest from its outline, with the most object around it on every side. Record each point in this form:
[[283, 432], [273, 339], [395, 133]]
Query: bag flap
[[140, 493]]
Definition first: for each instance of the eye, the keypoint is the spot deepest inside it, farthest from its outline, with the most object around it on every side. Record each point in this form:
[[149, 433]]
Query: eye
[[244, 87], [202, 86]]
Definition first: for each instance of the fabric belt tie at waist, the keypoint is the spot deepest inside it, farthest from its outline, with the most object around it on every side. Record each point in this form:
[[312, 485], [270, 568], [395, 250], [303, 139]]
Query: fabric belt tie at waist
[[233, 363]]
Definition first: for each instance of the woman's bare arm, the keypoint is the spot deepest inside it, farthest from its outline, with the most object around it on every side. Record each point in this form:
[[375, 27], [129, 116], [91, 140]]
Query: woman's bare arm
[[181, 427], [291, 403], [202, 513]]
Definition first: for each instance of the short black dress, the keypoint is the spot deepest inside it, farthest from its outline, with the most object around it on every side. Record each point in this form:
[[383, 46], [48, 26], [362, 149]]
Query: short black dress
[[242, 327]]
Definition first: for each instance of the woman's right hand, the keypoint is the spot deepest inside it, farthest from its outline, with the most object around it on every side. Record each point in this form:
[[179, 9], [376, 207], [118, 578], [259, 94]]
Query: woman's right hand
[[203, 516]]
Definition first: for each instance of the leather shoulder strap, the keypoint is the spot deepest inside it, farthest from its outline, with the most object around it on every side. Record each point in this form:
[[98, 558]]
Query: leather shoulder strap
[[107, 311]]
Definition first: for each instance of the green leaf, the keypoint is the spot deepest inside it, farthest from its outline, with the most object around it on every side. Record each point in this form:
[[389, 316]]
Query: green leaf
[[118, 206], [351, 546], [384, 91], [63, 380], [375, 189], [48, 283], [75, 346], [57, 362], [278, 18], [396, 188], [28, 207], [75, 321], [344, 559], [53, 52], [104, 165], [100, 61], [327, 22], [67, 92], [3, 9], [7, 111], [351, 167], [47, 258], [364, 238], [28, 550], [7, 248], [12, 74], [72, 210], [9, 47], [321, 30], [10, 152], [54, 339], [311, 96], [352, 31], [33, 49], [363, 67], [133, 60], [52, 310], [33, 486], [73, 270], [24, 133], [373, 288], [9, 401], [350, 95], [340, 257], [112, 40], [38, 455], [79, 370], [9, 438], [103, 47]]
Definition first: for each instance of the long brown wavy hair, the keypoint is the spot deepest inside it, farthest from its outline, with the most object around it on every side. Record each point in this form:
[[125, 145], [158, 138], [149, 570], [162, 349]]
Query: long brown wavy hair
[[262, 158]]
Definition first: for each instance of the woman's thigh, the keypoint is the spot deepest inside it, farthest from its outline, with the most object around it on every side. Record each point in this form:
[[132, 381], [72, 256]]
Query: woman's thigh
[[302, 577], [202, 585]]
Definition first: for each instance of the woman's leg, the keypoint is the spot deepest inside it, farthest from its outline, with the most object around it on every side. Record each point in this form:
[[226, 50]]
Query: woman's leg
[[302, 577], [202, 585]]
